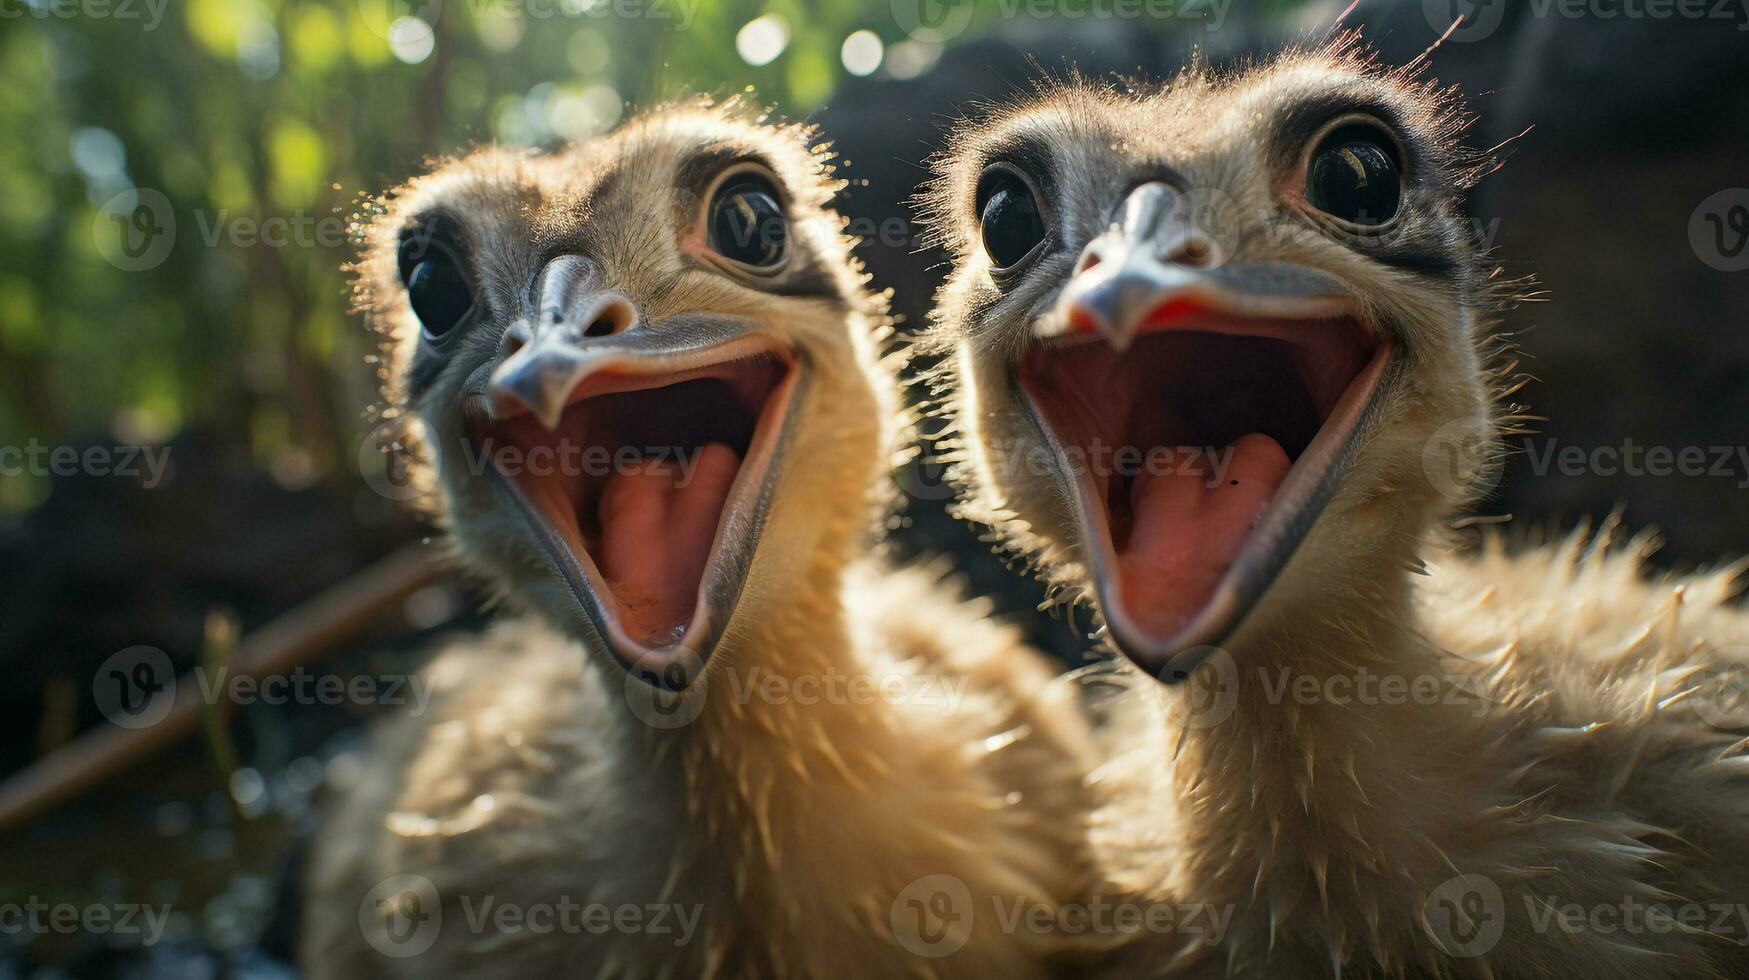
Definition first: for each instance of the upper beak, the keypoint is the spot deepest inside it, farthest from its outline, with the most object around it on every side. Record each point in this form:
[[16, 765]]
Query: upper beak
[[546, 357], [1159, 265], [584, 338], [1153, 254]]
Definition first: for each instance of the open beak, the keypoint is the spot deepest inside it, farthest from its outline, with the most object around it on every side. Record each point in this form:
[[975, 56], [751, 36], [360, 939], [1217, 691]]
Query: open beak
[[1202, 411], [642, 455]]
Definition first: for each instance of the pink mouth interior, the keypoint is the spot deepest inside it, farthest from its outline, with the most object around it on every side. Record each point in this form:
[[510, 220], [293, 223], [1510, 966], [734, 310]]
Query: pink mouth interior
[[1185, 438], [636, 483]]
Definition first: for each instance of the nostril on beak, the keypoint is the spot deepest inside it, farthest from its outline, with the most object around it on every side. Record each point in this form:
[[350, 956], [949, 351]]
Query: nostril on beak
[[515, 338], [1196, 250], [614, 316]]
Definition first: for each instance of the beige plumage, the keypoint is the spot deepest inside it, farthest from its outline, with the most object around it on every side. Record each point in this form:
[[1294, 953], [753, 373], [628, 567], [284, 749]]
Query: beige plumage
[[1397, 753], [855, 729]]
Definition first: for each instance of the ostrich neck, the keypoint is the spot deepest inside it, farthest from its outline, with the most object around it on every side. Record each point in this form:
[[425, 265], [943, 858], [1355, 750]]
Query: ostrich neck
[[1308, 749], [790, 711], [784, 670]]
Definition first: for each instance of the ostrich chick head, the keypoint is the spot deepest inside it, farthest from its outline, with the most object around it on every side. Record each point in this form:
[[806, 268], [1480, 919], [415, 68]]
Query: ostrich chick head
[[643, 371], [1202, 336]]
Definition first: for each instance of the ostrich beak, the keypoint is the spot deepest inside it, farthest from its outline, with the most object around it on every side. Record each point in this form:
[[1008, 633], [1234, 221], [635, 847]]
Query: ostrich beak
[[641, 455], [1202, 410]]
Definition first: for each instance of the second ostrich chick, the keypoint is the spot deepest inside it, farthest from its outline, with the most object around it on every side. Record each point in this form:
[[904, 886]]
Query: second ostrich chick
[[1243, 319]]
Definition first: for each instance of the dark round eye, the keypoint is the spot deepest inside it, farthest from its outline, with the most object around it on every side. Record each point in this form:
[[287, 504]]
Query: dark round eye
[[439, 292], [747, 223], [1354, 177], [432, 272], [1010, 220]]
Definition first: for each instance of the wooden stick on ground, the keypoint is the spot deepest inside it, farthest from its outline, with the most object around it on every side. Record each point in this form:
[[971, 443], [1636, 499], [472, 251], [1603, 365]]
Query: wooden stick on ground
[[297, 637]]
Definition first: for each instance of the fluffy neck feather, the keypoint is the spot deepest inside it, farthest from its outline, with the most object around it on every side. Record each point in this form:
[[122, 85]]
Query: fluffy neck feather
[[1307, 795]]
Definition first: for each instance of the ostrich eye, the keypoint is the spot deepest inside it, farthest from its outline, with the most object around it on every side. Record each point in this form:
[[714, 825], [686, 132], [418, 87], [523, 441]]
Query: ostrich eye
[[1011, 222], [747, 224], [439, 294], [436, 287], [1354, 177]]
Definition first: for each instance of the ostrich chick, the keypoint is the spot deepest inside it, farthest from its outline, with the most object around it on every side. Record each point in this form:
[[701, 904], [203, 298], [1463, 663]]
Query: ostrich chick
[[728, 744], [1240, 318]]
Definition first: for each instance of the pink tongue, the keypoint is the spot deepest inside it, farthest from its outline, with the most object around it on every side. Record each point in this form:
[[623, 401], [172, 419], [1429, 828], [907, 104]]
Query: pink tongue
[[658, 520], [1186, 533]]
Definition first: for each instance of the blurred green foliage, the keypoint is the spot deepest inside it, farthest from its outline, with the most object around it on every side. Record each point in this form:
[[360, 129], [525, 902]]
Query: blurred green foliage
[[261, 123]]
